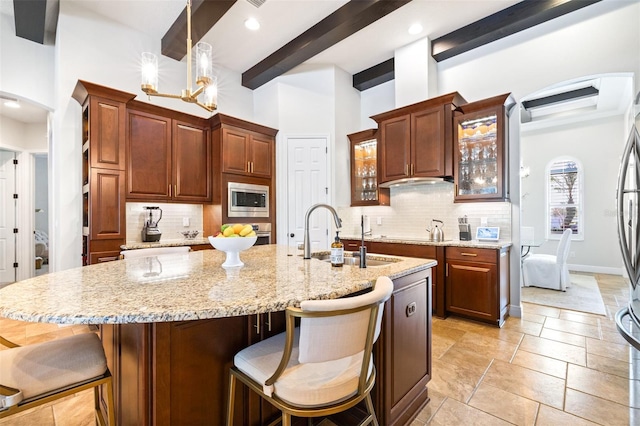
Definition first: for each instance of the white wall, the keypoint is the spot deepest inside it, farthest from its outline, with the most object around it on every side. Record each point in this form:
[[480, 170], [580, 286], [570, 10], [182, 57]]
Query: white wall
[[41, 198], [19, 136], [596, 144]]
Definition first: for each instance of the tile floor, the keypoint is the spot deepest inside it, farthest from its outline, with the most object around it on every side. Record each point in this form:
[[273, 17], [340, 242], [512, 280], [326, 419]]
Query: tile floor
[[551, 367]]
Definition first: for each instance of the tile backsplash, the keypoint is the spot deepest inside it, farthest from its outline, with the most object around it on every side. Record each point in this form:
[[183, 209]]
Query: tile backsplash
[[171, 223], [413, 207]]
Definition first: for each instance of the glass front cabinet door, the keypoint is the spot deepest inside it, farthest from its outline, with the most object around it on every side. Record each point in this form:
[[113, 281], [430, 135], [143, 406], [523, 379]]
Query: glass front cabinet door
[[480, 153], [364, 170]]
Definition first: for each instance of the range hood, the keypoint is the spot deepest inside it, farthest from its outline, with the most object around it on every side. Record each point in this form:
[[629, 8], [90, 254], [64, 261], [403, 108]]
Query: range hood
[[412, 181]]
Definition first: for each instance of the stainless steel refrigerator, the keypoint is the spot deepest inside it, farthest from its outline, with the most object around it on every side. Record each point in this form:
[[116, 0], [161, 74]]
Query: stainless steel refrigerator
[[628, 197]]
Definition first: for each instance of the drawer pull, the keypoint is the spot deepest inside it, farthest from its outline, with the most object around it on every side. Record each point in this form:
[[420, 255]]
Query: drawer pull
[[411, 309], [468, 254], [257, 326]]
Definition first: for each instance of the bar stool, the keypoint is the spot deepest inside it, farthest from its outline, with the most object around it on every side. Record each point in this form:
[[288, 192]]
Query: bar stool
[[36, 374]]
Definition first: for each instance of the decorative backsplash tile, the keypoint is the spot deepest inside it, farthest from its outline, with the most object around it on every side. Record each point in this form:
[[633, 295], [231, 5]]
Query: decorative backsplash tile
[[413, 207], [170, 224]]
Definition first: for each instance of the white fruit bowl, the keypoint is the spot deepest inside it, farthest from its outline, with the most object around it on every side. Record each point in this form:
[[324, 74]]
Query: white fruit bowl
[[232, 247]]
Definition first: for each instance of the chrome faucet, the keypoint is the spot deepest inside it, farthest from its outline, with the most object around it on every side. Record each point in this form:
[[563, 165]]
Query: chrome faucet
[[307, 243]]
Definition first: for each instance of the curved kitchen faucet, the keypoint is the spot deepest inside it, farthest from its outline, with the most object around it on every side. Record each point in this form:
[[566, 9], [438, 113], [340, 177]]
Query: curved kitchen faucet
[[307, 243]]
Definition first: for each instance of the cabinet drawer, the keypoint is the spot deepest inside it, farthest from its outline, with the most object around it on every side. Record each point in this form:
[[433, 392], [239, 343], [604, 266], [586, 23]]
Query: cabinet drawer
[[471, 254]]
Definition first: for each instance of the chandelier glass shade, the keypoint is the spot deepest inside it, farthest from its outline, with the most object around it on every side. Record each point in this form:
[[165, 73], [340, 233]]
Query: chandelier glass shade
[[205, 80]]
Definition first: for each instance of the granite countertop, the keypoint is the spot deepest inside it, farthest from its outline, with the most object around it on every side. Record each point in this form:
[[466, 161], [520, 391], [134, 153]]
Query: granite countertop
[[427, 242], [133, 245], [177, 287]]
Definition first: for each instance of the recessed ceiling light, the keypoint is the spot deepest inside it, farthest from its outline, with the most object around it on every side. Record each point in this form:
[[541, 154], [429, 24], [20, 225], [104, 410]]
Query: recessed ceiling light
[[252, 24], [415, 29], [12, 104]]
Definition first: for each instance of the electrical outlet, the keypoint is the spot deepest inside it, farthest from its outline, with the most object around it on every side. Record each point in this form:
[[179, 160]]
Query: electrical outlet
[[185, 221], [379, 221]]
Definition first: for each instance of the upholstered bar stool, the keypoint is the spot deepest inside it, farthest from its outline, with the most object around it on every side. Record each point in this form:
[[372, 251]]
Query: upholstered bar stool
[[321, 368], [37, 374]]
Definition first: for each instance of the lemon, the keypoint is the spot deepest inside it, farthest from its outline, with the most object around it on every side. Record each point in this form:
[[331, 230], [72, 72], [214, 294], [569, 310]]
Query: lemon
[[237, 228], [228, 231], [245, 230]]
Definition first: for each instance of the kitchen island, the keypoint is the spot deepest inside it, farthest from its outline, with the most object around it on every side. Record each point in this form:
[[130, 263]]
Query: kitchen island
[[171, 324]]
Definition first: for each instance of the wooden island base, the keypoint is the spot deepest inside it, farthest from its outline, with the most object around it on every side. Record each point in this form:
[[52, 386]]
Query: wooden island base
[[176, 373]]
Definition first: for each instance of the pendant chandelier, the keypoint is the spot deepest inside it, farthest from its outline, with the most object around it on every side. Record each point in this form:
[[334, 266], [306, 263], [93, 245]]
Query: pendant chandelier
[[205, 79]]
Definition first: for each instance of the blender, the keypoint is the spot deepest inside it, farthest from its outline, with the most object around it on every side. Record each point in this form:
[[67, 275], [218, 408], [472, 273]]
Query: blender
[[150, 231]]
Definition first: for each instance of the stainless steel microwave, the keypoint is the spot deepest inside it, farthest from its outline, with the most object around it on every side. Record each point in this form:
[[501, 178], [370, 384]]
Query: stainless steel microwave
[[247, 200]]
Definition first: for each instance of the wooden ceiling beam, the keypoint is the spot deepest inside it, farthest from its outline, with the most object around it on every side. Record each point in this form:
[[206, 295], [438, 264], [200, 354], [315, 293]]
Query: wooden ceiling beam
[[204, 15], [347, 20], [511, 20], [377, 74], [30, 19]]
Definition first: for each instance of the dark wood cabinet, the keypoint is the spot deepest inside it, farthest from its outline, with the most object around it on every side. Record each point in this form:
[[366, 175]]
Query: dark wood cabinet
[[103, 170], [477, 283], [481, 154], [417, 140], [364, 170], [167, 159], [247, 152]]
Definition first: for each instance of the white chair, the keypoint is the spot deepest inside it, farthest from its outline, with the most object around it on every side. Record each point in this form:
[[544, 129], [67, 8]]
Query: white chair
[[40, 373], [321, 368], [546, 270], [155, 251]]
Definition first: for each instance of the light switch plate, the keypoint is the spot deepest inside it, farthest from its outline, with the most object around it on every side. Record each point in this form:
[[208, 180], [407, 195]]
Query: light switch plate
[[185, 221]]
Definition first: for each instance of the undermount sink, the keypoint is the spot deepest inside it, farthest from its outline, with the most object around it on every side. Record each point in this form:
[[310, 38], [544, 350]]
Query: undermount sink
[[355, 261]]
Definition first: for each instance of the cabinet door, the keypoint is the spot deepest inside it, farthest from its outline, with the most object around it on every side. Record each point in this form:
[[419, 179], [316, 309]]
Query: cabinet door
[[428, 143], [472, 289], [148, 156], [395, 148], [191, 163], [235, 151], [106, 205], [106, 133], [261, 155]]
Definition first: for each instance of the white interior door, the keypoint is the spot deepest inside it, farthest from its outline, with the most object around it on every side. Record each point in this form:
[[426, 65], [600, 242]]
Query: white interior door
[[7, 217], [307, 185]]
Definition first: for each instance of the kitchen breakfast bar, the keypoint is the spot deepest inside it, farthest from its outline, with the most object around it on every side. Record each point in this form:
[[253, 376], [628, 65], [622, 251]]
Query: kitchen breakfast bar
[[171, 324]]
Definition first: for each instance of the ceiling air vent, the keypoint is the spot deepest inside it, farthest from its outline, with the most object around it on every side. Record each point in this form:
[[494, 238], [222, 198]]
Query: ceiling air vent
[[257, 3]]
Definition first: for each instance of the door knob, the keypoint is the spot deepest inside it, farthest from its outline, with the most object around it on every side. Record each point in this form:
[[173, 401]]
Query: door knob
[[292, 235]]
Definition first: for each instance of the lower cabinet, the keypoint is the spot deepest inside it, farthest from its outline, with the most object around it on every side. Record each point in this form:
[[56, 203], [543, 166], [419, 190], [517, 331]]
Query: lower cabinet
[[477, 283], [178, 372]]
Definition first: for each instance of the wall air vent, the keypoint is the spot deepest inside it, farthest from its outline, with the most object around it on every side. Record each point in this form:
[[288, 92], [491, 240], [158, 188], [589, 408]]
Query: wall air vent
[[567, 102], [257, 3]]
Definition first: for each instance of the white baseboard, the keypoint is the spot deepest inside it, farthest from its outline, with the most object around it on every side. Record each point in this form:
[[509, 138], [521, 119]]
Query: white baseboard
[[596, 269], [515, 311]]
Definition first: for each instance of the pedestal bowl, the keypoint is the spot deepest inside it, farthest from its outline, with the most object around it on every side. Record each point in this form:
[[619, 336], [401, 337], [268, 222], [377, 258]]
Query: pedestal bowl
[[232, 247]]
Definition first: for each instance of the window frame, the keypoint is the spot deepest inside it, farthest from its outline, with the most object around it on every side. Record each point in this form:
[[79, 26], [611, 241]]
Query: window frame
[[576, 236]]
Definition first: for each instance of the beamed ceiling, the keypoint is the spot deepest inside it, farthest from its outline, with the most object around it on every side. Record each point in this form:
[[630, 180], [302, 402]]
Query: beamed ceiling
[[342, 24]]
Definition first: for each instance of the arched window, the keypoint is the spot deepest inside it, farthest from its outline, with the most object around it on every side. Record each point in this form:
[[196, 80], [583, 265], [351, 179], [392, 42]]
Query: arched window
[[565, 196]]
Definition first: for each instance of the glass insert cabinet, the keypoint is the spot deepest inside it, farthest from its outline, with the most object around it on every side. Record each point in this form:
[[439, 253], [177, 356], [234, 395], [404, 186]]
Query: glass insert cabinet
[[364, 170], [480, 153]]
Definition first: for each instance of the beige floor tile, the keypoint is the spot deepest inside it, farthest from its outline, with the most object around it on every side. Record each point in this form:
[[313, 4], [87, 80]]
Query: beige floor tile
[[463, 324], [547, 311], [439, 346], [454, 381], [455, 413], [541, 363], [557, 350], [603, 385], [501, 334], [599, 410], [443, 330], [436, 401], [531, 317], [581, 317], [76, 411], [507, 406], [527, 383], [613, 336], [609, 365], [561, 336], [573, 327], [464, 358], [617, 351], [486, 346], [522, 326], [548, 416]]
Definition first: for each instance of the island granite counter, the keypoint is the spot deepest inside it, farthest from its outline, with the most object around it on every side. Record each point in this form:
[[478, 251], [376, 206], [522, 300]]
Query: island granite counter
[[171, 324]]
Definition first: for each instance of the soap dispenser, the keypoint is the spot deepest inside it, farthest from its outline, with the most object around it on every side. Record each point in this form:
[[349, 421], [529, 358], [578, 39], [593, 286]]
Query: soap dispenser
[[337, 252]]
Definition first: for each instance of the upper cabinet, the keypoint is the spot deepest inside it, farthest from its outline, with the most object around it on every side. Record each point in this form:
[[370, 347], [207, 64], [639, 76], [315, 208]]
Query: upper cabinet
[[247, 148], [168, 159], [417, 140], [481, 154], [364, 170]]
